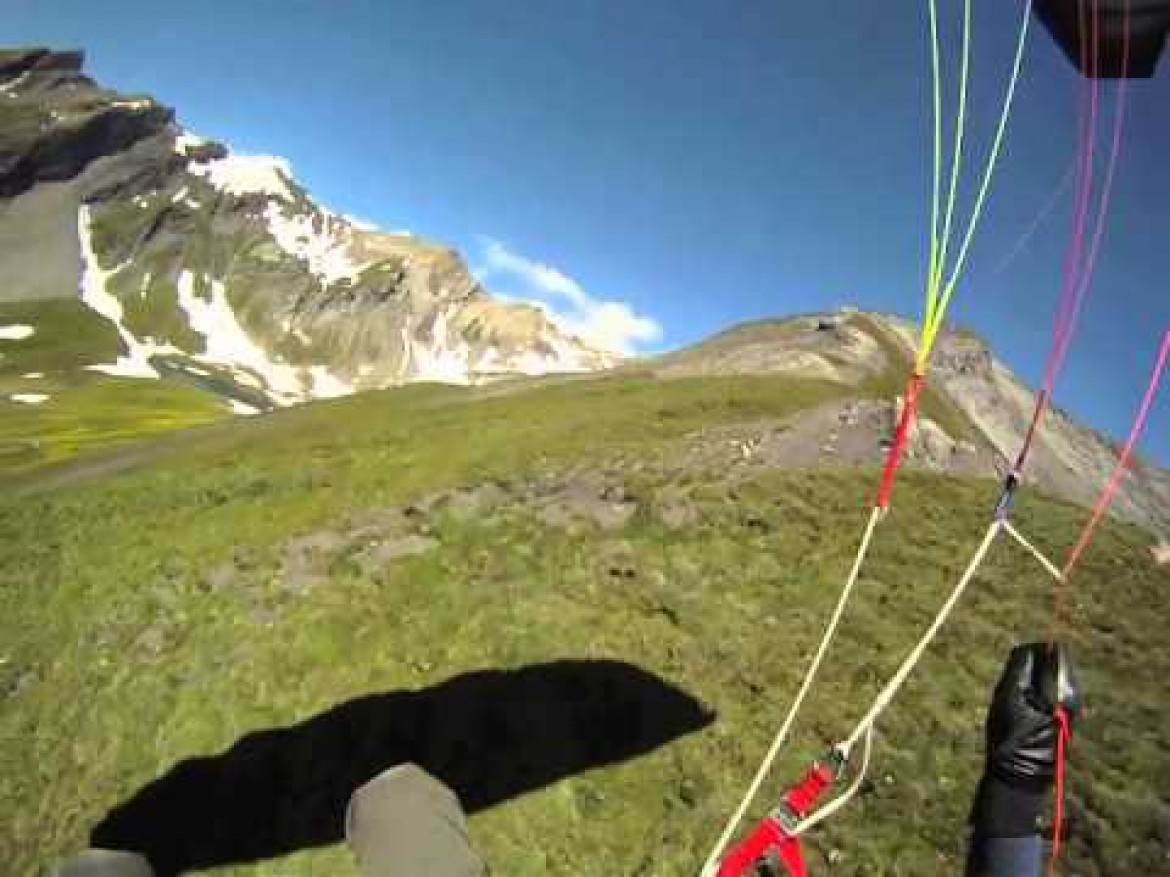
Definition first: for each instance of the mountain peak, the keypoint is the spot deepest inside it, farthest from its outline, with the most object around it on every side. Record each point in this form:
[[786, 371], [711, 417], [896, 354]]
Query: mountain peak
[[218, 270], [15, 63], [240, 174], [56, 121], [973, 416], [199, 149]]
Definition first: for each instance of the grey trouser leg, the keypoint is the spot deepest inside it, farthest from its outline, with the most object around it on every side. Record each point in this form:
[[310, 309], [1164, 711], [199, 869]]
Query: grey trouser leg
[[405, 823], [104, 863]]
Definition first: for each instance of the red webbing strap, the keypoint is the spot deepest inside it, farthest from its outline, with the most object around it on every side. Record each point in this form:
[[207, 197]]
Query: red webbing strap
[[802, 797], [770, 837], [766, 838], [1063, 735], [901, 439]]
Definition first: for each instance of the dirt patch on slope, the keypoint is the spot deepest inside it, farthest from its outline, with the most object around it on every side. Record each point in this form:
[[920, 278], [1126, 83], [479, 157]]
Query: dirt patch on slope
[[854, 433]]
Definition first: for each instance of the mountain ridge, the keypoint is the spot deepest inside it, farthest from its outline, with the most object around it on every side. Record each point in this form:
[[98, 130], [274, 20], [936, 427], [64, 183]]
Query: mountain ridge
[[185, 238], [974, 413], [135, 251]]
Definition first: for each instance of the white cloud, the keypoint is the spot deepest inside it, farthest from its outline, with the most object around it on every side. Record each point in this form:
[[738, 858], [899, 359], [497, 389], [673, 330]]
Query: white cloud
[[609, 325]]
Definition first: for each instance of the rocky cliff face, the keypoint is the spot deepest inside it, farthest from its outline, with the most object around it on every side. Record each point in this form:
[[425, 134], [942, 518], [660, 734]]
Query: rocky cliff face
[[182, 261], [57, 121], [974, 414], [1067, 459]]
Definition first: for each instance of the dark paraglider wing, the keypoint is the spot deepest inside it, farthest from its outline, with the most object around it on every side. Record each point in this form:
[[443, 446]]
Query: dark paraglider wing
[[1130, 34]]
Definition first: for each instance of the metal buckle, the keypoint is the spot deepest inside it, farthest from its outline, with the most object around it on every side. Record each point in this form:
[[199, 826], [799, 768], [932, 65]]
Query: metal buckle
[[838, 762], [1007, 499]]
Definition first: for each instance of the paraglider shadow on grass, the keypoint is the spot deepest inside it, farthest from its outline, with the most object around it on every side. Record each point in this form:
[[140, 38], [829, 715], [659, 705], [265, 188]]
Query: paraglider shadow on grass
[[490, 735]]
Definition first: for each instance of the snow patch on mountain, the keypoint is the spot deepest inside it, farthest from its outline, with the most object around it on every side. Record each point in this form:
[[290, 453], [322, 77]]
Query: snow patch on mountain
[[95, 295], [29, 398], [248, 175], [326, 385], [185, 142], [242, 409], [229, 344], [442, 361], [449, 359], [138, 103], [16, 332], [318, 239]]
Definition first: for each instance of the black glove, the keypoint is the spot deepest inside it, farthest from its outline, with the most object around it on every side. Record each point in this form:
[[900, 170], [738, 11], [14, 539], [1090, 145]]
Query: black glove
[[1022, 732], [1021, 724]]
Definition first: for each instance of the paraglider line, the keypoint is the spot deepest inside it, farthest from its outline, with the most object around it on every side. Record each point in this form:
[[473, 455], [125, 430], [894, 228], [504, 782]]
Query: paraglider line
[[931, 333], [810, 675], [1039, 219], [957, 155], [1114, 482]]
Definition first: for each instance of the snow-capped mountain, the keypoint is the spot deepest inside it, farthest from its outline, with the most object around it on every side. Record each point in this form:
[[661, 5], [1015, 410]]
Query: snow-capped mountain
[[187, 262]]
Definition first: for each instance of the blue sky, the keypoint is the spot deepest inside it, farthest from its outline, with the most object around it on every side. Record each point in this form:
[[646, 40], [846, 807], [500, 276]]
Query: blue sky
[[692, 164]]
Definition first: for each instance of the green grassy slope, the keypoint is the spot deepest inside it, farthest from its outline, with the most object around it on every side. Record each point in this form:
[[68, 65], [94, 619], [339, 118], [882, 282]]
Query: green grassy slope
[[67, 336], [90, 412], [149, 617], [85, 410]]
